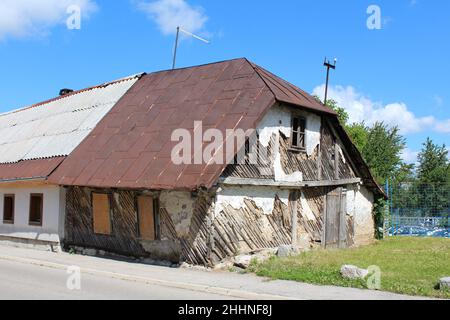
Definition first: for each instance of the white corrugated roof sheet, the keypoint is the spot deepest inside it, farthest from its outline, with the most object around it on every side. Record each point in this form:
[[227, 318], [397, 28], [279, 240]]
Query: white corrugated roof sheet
[[57, 127]]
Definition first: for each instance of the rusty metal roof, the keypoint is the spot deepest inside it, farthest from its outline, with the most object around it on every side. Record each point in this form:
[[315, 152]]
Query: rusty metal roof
[[131, 147], [30, 169], [288, 93]]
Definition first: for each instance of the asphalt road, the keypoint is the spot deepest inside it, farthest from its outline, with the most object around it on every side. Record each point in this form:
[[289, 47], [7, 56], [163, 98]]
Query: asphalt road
[[35, 274], [29, 282]]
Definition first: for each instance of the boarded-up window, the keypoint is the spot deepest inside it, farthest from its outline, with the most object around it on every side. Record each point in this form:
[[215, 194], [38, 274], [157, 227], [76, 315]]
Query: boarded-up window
[[101, 213], [8, 208], [36, 208], [298, 133], [146, 214]]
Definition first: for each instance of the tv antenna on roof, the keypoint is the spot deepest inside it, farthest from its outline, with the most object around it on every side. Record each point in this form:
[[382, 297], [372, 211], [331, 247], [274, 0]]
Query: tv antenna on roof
[[179, 29], [329, 66]]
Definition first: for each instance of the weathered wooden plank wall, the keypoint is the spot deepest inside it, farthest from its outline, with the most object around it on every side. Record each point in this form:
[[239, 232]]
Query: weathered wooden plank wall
[[297, 161], [124, 239], [249, 228], [315, 198], [79, 222], [233, 231]]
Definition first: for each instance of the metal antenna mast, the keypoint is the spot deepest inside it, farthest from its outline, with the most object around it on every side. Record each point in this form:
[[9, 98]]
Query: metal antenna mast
[[329, 66], [179, 29]]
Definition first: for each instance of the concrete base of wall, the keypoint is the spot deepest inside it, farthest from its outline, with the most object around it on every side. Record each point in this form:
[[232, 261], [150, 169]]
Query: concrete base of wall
[[31, 244], [92, 252], [364, 240]]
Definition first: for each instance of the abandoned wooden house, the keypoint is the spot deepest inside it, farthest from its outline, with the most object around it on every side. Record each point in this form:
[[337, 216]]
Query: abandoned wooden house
[[119, 190]]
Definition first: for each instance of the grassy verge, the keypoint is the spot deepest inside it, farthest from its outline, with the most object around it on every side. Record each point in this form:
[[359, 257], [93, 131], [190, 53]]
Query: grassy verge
[[408, 265]]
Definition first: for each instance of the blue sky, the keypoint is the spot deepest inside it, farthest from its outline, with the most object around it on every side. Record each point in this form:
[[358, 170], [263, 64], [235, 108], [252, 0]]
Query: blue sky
[[398, 74]]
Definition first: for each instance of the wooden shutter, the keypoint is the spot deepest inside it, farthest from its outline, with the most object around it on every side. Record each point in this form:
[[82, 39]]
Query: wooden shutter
[[101, 213], [146, 218]]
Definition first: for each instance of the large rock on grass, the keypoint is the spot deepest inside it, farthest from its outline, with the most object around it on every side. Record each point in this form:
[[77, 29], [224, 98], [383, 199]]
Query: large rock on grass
[[444, 283], [243, 261], [285, 251], [353, 272]]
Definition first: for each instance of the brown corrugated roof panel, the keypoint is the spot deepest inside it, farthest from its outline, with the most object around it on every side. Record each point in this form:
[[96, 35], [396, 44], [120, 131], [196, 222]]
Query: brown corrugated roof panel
[[131, 146], [29, 169]]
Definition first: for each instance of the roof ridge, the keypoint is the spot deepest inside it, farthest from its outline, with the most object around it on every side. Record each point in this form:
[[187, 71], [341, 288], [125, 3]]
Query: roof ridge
[[255, 66], [289, 86], [291, 91], [103, 85], [197, 66]]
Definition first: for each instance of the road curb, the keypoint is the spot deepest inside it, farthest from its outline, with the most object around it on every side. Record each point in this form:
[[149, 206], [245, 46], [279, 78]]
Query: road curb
[[235, 293]]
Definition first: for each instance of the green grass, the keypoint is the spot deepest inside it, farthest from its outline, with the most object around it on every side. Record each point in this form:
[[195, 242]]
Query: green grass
[[408, 265]]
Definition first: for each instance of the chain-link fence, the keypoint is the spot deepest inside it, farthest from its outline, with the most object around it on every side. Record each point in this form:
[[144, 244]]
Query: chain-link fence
[[418, 209]]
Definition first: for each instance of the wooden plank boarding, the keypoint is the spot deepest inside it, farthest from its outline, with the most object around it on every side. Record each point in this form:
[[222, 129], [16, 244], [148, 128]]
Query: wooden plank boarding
[[146, 215], [232, 181], [293, 201], [336, 220], [332, 212], [101, 213]]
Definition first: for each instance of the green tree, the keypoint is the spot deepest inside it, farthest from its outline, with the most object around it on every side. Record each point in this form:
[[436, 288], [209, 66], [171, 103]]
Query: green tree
[[342, 113], [380, 146], [382, 151], [433, 179], [359, 133], [433, 163]]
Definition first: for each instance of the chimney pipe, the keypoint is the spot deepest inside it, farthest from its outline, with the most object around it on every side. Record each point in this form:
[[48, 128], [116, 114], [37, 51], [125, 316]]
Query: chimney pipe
[[65, 91]]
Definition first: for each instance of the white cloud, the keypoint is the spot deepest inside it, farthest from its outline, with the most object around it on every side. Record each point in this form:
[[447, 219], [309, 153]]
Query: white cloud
[[361, 108], [169, 14], [23, 18]]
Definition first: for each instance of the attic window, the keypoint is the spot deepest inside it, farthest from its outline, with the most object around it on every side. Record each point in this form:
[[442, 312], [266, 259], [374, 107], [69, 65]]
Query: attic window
[[298, 141]]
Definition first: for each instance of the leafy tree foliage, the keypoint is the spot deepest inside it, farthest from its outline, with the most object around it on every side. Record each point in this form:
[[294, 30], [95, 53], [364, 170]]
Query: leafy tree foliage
[[433, 163], [421, 191], [433, 178], [383, 150]]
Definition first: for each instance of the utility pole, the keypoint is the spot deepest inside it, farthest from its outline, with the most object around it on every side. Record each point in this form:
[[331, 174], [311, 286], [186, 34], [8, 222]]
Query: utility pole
[[329, 66], [179, 29]]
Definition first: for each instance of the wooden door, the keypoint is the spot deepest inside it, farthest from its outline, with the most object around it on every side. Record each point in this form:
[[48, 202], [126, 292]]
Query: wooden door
[[335, 219]]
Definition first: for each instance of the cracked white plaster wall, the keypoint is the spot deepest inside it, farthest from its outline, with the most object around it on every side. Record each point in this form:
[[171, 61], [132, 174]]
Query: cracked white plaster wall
[[351, 194], [263, 197], [278, 120], [313, 126], [364, 222], [180, 206]]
